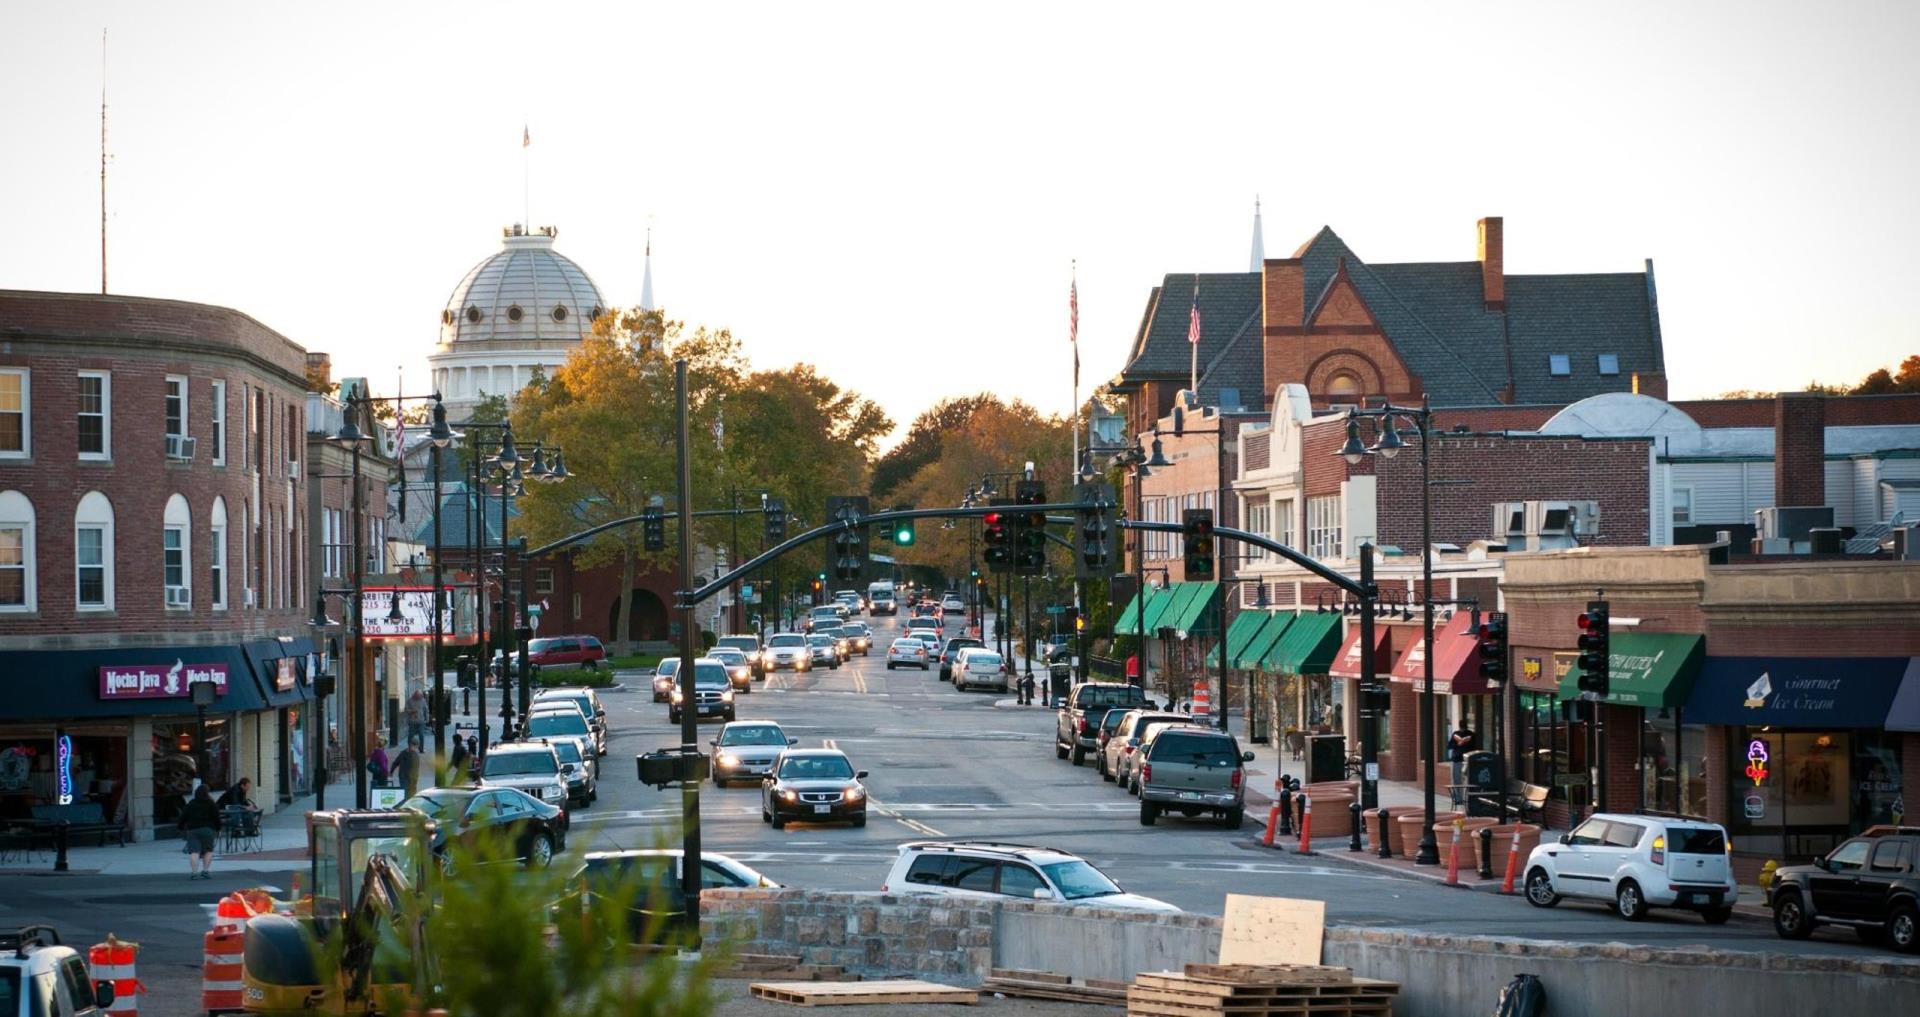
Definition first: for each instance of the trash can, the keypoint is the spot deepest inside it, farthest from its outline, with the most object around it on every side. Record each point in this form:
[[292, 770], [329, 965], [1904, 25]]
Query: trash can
[[1326, 758], [1059, 681], [1486, 779]]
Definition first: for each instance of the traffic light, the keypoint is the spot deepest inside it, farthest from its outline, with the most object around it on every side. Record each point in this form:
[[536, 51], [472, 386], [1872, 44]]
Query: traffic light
[[1596, 659], [819, 587], [1196, 541], [653, 528], [1121, 589], [1095, 530], [1493, 648], [997, 532], [847, 548], [903, 528], [776, 520], [1030, 530]]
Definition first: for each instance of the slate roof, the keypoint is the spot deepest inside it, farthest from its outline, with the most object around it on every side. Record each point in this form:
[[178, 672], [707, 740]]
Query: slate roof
[[1229, 308], [455, 508]]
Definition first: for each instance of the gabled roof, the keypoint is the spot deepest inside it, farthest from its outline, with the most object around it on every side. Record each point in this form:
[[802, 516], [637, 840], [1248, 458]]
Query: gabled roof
[[456, 507], [1230, 313]]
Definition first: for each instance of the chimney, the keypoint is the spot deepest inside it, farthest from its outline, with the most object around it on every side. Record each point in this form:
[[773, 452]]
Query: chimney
[[1283, 304], [319, 371], [1493, 263], [1799, 450]]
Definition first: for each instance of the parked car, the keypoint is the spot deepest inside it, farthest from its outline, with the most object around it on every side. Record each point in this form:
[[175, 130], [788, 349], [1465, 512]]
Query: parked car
[[532, 767], [1122, 750], [567, 653], [1108, 722], [652, 877], [814, 785], [951, 650], [585, 698], [746, 749], [561, 720], [748, 644], [907, 651], [1077, 726], [1637, 861], [986, 870], [739, 672], [579, 770], [1870, 882], [535, 829], [825, 650], [40, 977], [1190, 769], [859, 637], [712, 689], [788, 651], [979, 667]]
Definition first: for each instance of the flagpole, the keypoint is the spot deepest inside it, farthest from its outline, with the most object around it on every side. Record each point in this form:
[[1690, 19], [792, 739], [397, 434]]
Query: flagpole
[[526, 144], [1073, 337]]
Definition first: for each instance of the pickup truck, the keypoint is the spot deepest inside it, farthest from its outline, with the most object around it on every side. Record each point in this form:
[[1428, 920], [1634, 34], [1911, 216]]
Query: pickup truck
[[1076, 729]]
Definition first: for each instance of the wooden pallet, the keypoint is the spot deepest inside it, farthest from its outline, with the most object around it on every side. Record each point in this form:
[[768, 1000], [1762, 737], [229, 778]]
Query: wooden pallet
[[1234, 993], [1047, 985], [1267, 974], [862, 993], [782, 967]]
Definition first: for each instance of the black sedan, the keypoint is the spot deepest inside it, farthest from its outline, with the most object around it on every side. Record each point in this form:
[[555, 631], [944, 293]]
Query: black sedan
[[534, 830], [815, 786]]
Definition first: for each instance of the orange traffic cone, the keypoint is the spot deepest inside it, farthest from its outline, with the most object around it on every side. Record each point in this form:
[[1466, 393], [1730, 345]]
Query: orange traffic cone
[[1513, 861], [1306, 824], [1453, 857], [1202, 699]]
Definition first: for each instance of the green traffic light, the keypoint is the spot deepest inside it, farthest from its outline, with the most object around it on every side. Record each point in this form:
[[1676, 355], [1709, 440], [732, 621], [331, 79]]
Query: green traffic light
[[903, 536]]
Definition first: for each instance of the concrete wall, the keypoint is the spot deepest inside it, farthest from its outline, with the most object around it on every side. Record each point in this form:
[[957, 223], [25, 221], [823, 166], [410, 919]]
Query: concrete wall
[[957, 941]]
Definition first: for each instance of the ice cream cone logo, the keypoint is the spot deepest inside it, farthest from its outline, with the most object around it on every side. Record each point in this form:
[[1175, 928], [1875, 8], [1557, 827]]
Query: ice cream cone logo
[[1757, 762], [1758, 692]]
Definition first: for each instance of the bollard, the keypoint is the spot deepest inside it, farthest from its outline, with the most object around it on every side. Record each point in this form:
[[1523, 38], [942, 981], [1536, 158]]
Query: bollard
[[1386, 842], [60, 846], [1286, 807], [1513, 861], [1355, 845], [1486, 853], [1453, 856], [1306, 823]]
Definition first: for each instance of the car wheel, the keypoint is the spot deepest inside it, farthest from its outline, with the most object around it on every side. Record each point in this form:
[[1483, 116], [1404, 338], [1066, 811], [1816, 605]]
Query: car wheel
[[1105, 774], [1628, 902], [779, 821], [730, 716], [860, 820], [593, 793], [1133, 786], [1903, 928], [1717, 916], [591, 665], [1079, 755], [1059, 751], [540, 852], [889, 665], [1148, 813], [1790, 920], [765, 816], [719, 781], [1540, 889], [673, 718], [1235, 818]]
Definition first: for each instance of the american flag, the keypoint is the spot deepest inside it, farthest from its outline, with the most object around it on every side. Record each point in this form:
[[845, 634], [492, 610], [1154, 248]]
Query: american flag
[[1073, 328], [1193, 316], [526, 136], [399, 456]]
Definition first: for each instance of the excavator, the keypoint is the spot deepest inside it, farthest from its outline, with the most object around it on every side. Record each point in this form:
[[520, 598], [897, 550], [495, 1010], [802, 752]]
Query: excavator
[[356, 943]]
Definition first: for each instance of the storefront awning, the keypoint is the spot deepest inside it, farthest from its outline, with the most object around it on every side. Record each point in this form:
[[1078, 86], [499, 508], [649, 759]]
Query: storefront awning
[[1347, 663], [1195, 615], [1651, 670], [1272, 628], [280, 666], [1308, 645], [53, 685], [1166, 604], [1904, 715], [1127, 623], [1803, 692], [1246, 625], [1456, 659]]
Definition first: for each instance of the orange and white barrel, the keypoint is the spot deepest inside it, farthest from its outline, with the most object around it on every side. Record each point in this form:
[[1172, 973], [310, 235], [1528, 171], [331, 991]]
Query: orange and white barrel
[[222, 954], [113, 962]]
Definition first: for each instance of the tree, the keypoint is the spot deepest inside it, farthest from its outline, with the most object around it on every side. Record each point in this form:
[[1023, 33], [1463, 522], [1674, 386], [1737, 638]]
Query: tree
[[923, 442]]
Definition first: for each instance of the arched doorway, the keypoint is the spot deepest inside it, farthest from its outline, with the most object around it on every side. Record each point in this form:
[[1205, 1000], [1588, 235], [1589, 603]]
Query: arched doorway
[[646, 617]]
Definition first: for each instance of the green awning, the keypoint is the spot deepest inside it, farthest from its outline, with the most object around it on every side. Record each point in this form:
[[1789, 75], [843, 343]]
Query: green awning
[[1648, 669], [1126, 624], [1246, 625], [1195, 616], [1309, 646], [1167, 603], [1270, 633]]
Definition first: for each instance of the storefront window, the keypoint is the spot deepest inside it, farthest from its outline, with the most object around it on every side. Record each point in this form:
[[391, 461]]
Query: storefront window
[[176, 765], [297, 736], [1876, 778], [1691, 763], [1659, 767], [1795, 793]]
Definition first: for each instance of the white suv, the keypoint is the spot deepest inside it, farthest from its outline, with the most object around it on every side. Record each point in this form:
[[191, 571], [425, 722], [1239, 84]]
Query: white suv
[[1637, 861], [39, 976], [987, 870]]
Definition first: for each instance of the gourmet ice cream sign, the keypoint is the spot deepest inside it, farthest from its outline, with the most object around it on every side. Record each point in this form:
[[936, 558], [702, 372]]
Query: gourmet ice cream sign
[[159, 681]]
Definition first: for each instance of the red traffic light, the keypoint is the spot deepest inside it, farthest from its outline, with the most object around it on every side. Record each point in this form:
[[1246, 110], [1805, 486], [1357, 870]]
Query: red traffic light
[[993, 518], [1586, 620]]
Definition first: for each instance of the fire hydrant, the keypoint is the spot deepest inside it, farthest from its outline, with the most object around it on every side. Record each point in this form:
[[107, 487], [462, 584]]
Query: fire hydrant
[[1766, 873]]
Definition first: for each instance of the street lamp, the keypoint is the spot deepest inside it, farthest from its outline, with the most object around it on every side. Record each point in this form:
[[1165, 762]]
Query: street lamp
[[350, 436], [203, 696]]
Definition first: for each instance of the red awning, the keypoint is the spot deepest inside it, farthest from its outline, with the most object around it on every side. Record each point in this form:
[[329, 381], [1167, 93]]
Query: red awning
[[1456, 661], [1346, 664]]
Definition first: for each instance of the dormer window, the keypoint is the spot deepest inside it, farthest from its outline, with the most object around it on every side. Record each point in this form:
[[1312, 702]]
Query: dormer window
[[1608, 364], [559, 312], [446, 316], [1560, 365], [473, 314]]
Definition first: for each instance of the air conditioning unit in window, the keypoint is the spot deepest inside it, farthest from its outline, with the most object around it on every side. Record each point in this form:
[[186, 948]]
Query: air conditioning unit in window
[[179, 596], [1586, 518], [248, 599], [181, 447]]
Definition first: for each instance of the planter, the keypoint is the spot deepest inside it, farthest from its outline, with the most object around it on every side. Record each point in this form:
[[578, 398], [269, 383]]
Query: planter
[[1350, 788], [1502, 836], [1332, 814], [1469, 836], [1407, 829]]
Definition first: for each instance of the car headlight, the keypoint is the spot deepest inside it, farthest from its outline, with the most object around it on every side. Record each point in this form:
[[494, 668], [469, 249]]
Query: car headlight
[[676, 695], [854, 794], [726, 695], [728, 759], [552, 792], [739, 672], [790, 795]]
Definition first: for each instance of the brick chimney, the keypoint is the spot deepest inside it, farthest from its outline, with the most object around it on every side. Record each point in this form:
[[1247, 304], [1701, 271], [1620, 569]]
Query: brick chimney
[[1283, 303], [319, 370], [1493, 263], [1799, 449]]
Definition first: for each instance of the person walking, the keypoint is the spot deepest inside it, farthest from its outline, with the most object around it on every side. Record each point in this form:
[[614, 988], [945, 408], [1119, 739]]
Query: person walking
[[456, 763], [1464, 740], [406, 767], [417, 716], [199, 822], [378, 765]]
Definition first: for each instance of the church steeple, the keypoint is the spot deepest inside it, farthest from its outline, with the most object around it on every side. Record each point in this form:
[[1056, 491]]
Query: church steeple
[[646, 278], [1259, 245]]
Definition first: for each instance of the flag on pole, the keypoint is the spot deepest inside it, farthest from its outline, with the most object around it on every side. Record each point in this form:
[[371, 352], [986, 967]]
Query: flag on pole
[[1073, 328], [526, 137], [1193, 316]]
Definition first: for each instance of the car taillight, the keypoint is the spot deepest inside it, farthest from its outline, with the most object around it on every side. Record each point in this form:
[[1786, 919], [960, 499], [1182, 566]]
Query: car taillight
[[1659, 850], [1127, 751], [1081, 725], [1234, 781]]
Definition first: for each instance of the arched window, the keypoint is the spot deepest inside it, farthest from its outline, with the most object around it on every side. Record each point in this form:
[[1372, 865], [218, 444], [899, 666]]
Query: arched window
[[93, 553], [217, 573], [17, 591], [1343, 388], [176, 554]]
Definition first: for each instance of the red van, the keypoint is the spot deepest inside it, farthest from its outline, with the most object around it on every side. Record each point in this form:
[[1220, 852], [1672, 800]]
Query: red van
[[560, 653]]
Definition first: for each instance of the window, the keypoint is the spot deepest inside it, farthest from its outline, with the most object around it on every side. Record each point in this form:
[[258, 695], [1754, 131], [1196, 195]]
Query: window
[[1323, 527], [218, 415], [1849, 856], [929, 870], [1682, 506], [1588, 834], [543, 581], [1560, 365], [16, 428], [1019, 880], [217, 572], [93, 553], [176, 551], [1259, 520], [1624, 835], [176, 405], [95, 415], [576, 607], [1608, 363], [1283, 522], [16, 552], [1343, 388], [1889, 856], [972, 874]]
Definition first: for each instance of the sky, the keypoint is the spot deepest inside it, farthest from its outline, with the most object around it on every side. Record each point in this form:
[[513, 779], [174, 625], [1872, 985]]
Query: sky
[[900, 193]]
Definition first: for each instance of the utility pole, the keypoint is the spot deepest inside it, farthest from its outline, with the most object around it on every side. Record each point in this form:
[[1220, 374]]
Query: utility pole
[[690, 867]]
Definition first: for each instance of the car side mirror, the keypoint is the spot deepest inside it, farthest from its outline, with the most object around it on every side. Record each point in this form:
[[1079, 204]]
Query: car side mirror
[[103, 994], [793, 741], [1566, 838], [1246, 757], [1821, 864], [860, 775], [1042, 893]]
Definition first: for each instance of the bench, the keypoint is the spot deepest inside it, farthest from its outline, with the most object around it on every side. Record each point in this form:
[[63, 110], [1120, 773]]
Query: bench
[[1528, 800], [81, 818]]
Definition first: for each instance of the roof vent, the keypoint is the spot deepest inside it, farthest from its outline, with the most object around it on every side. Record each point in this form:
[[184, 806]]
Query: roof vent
[[473, 314], [559, 312]]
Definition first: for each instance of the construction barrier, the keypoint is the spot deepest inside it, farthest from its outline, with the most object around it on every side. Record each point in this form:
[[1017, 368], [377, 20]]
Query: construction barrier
[[224, 947], [1273, 814], [113, 962], [1202, 698]]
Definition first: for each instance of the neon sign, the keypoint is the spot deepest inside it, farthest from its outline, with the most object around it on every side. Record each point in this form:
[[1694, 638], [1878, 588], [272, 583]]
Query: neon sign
[[1757, 762], [63, 767]]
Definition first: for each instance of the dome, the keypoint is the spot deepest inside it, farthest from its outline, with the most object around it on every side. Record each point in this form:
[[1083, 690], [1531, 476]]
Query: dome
[[1624, 414], [527, 292]]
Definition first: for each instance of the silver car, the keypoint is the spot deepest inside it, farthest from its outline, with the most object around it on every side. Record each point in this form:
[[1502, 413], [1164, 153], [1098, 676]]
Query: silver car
[[1122, 751], [788, 651], [746, 749], [532, 767], [979, 667], [1190, 770]]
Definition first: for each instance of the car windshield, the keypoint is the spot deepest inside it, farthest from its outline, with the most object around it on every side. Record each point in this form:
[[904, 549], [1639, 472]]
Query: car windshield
[[731, 658], [1077, 880], [820, 640], [956, 645], [817, 768], [907, 643], [758, 734], [709, 673], [788, 639], [543, 725], [1107, 695], [516, 764], [435, 804], [825, 612], [855, 630], [745, 644], [668, 666], [1194, 749], [1695, 840], [568, 749], [540, 645], [581, 701]]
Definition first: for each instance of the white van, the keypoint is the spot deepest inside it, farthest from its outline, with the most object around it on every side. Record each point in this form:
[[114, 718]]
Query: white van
[[880, 599]]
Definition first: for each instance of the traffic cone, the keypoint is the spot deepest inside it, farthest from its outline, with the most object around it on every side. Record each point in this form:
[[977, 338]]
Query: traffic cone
[[1273, 813], [1513, 862], [1453, 857]]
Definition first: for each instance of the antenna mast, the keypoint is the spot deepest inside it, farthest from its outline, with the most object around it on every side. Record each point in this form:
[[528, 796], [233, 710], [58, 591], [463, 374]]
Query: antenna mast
[[103, 162]]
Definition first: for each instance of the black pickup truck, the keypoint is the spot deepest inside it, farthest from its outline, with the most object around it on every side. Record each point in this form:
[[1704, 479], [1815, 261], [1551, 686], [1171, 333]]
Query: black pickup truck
[[1077, 727]]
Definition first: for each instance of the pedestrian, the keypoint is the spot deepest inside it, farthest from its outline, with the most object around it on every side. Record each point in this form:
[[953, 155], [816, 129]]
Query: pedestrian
[[417, 716], [1463, 741], [457, 762], [199, 821], [378, 766], [406, 767], [240, 796]]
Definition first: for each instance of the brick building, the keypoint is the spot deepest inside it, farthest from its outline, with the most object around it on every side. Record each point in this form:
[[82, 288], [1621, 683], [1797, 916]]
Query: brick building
[[151, 531]]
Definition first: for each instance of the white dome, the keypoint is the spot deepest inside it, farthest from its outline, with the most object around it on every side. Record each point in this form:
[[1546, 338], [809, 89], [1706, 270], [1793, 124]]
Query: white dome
[[1624, 414], [525, 293]]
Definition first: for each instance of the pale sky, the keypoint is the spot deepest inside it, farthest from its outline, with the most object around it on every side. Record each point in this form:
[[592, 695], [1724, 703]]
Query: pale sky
[[896, 192]]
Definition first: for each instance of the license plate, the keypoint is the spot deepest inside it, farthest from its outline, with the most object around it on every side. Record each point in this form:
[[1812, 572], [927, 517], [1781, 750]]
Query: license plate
[[1189, 796], [821, 810]]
